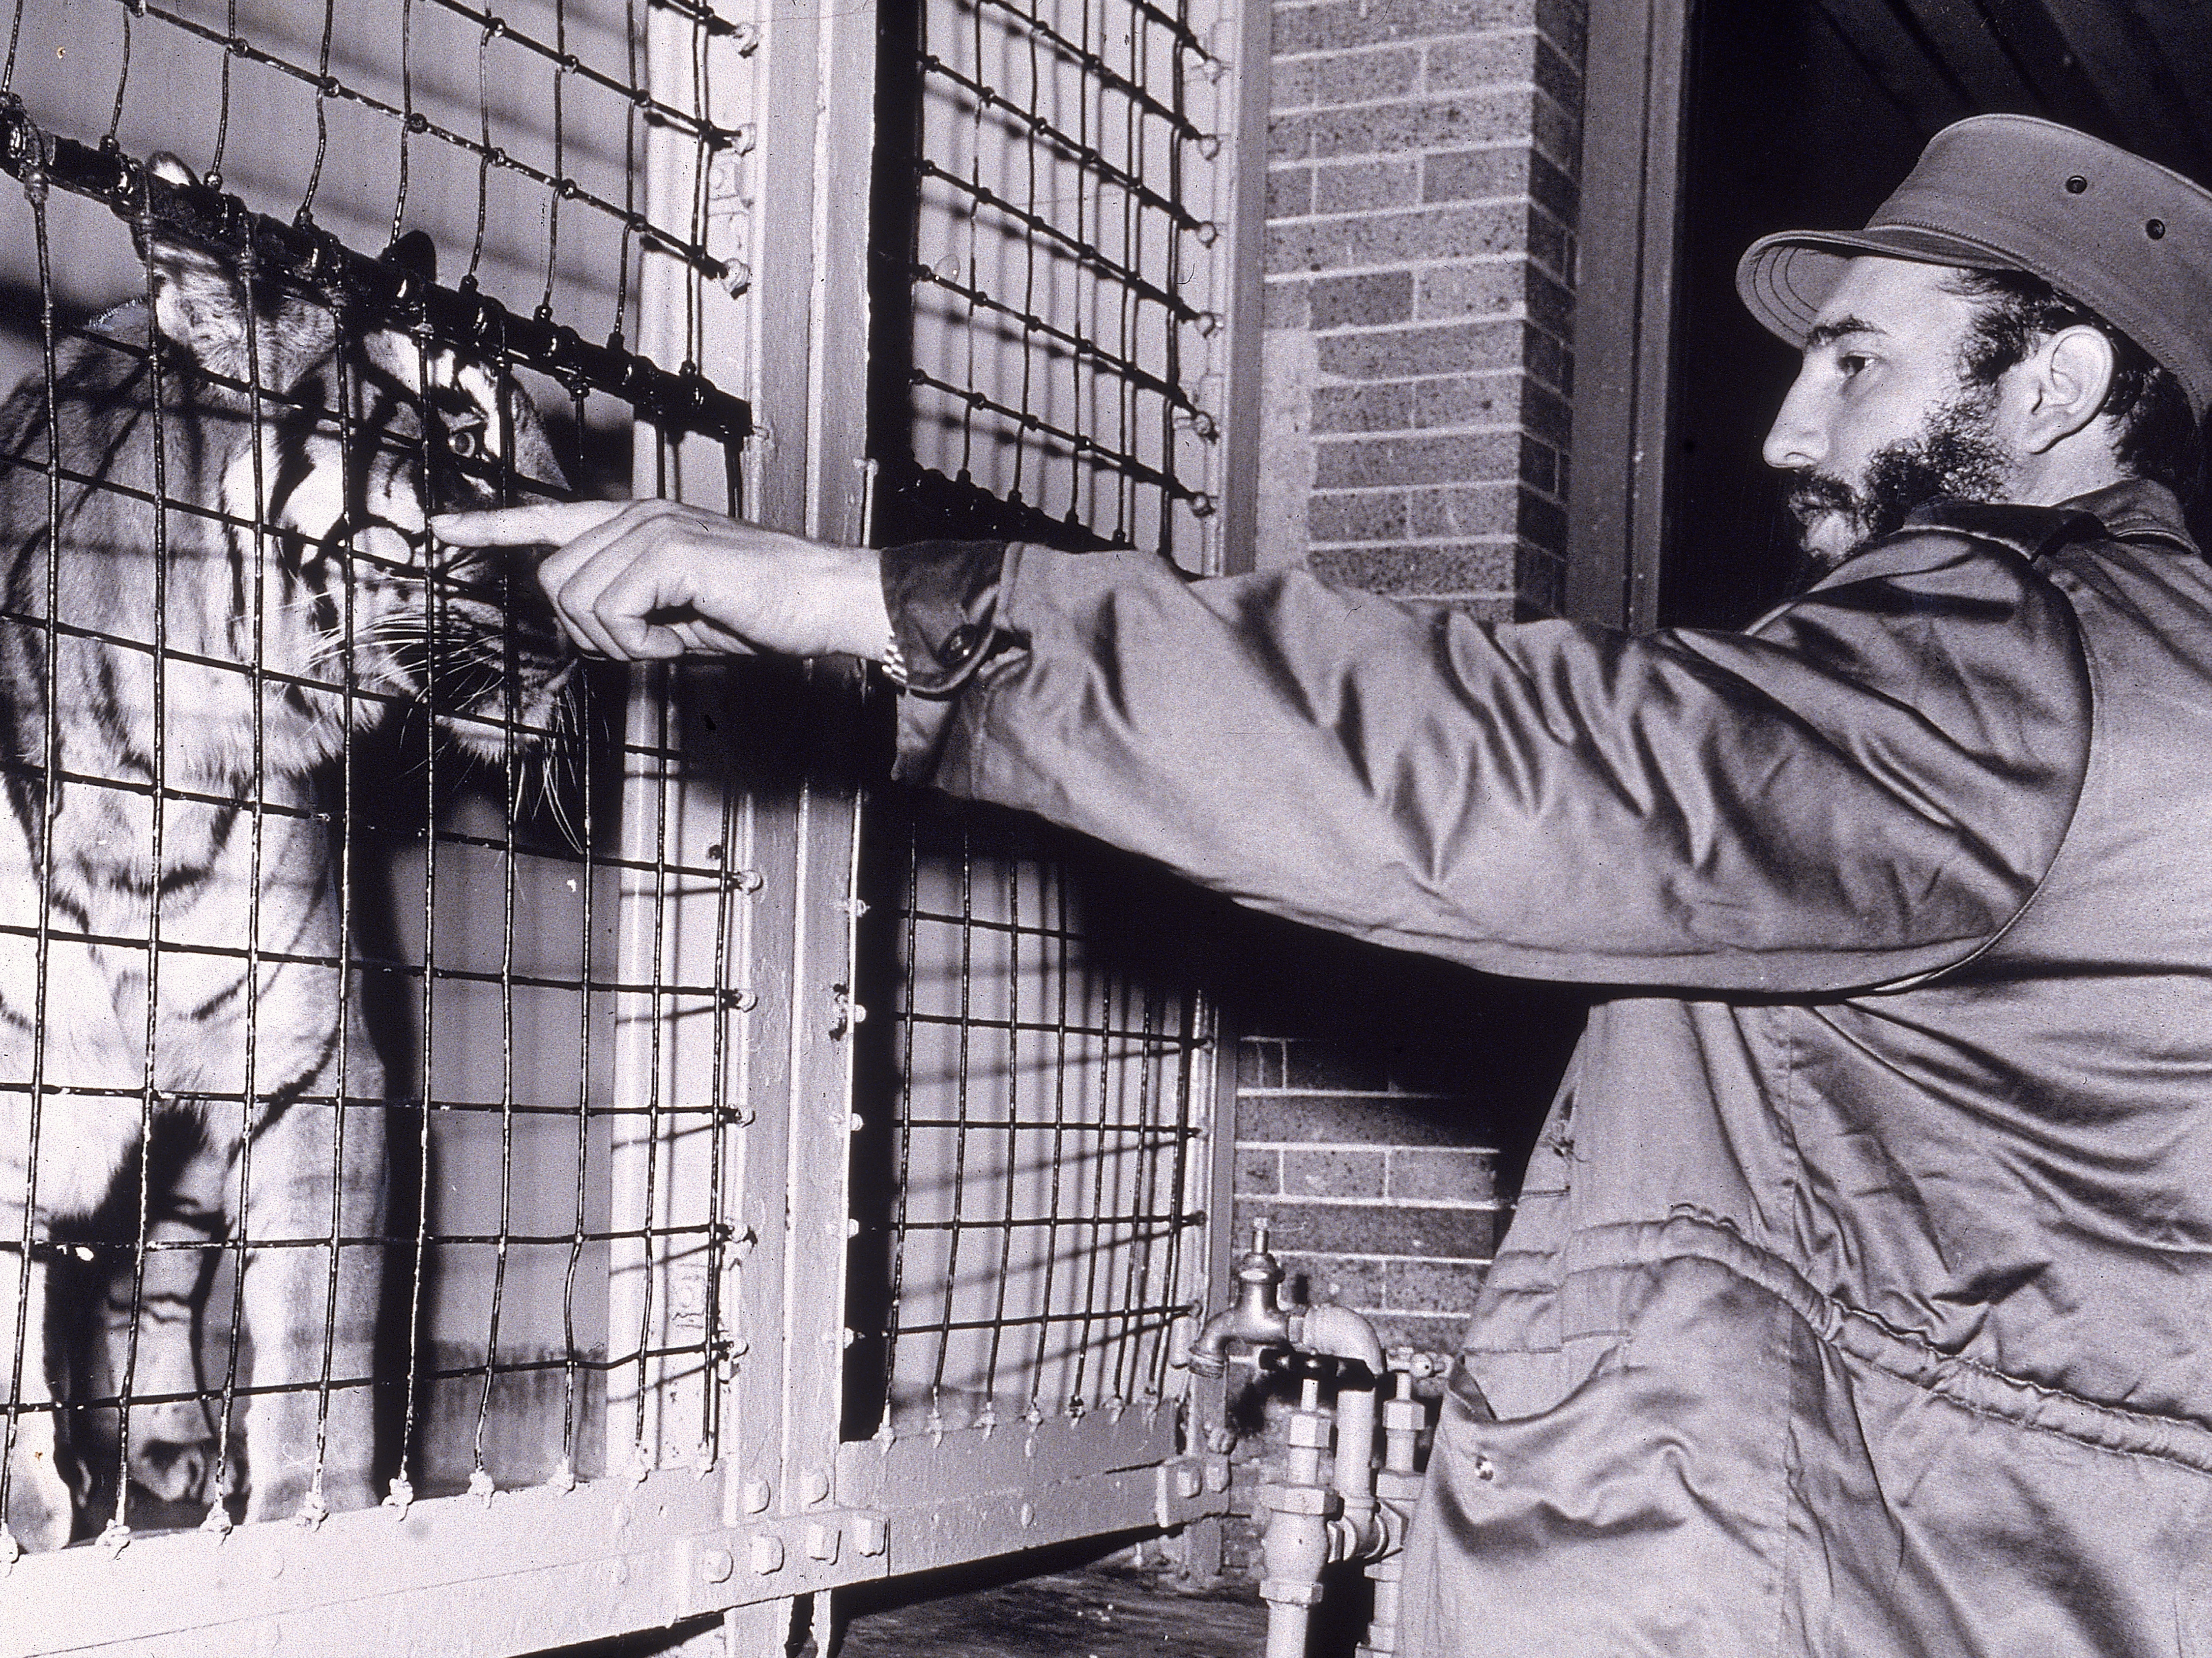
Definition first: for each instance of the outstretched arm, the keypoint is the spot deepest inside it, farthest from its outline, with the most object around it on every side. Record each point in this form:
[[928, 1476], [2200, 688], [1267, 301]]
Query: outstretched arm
[[650, 579]]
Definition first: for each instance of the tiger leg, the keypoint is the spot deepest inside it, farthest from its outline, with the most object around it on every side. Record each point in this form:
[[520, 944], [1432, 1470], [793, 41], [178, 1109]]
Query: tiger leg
[[310, 1302], [35, 1501], [148, 1341], [80, 1138]]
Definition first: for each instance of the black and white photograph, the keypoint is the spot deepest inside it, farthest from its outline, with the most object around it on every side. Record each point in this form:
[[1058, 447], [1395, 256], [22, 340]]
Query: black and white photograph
[[1111, 828]]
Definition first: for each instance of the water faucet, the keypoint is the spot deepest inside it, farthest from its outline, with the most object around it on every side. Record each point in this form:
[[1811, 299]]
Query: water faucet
[[1258, 1317]]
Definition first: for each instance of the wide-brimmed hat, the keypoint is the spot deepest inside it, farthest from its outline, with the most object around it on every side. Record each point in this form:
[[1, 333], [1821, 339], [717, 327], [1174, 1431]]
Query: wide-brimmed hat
[[2128, 239]]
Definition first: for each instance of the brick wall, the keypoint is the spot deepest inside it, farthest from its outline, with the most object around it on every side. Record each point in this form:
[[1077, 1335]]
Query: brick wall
[[1419, 373], [1421, 212], [1420, 366], [1382, 1196]]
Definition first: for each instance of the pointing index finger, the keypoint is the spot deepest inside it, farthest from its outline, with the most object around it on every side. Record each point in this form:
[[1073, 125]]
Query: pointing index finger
[[557, 522]]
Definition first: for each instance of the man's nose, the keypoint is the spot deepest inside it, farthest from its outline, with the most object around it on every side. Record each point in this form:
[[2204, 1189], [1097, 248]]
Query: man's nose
[[1799, 437]]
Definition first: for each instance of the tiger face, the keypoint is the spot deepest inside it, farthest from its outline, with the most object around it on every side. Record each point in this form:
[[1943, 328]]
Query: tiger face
[[376, 439], [345, 443]]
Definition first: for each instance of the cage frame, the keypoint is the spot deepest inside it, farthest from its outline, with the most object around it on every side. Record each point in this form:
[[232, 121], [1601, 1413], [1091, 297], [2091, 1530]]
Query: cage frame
[[782, 1507]]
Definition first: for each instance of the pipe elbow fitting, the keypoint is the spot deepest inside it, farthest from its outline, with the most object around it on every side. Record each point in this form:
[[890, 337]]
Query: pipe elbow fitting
[[1341, 1333]]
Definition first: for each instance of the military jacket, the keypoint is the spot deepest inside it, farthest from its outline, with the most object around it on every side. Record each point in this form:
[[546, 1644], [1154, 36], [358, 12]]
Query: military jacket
[[1858, 1299]]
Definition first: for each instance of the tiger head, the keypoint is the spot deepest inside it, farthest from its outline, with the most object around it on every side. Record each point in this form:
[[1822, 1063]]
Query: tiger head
[[327, 446]]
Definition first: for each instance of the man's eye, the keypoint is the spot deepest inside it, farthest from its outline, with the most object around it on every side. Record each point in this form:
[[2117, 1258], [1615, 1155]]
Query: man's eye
[[1849, 364], [465, 442]]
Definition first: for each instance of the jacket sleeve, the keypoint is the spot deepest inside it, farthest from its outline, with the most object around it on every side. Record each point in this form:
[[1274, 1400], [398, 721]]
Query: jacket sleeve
[[1863, 788]]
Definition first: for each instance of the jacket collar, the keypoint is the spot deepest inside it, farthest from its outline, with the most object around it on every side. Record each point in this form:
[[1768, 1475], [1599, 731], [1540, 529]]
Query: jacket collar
[[2136, 509], [2133, 510]]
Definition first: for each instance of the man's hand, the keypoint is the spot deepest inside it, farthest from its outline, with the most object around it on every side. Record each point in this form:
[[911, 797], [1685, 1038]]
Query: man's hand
[[651, 579]]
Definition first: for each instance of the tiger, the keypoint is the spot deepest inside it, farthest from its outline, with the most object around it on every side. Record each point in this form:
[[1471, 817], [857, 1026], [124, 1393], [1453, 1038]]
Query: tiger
[[171, 681]]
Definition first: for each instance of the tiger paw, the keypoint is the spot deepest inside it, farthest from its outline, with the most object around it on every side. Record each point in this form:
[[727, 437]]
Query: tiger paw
[[39, 1514]]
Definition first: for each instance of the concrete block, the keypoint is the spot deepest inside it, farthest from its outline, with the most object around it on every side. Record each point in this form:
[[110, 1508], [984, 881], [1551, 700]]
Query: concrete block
[[1370, 1120], [1362, 462], [1486, 399], [1371, 299], [1497, 174], [1337, 25], [1335, 79], [1467, 1174], [1289, 192], [1424, 569], [1258, 1171], [1436, 349], [1362, 187], [1463, 511], [1378, 407], [1364, 516], [1346, 1172], [1479, 60]]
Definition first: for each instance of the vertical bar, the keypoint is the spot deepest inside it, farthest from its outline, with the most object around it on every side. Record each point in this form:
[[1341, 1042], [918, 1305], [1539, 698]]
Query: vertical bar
[[1244, 158], [674, 1096], [1625, 308]]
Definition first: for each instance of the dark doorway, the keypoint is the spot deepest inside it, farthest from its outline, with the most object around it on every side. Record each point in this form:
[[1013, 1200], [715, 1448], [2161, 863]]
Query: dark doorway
[[1807, 113]]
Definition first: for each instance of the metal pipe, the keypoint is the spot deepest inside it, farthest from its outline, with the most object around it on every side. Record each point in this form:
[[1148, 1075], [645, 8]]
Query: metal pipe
[[1342, 1334], [1297, 1544], [1397, 1487]]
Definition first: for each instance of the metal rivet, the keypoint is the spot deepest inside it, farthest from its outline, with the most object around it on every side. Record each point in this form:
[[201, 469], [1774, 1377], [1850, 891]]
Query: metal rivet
[[717, 1565], [1027, 1514], [2076, 185], [1485, 1468], [2155, 228], [767, 1555], [755, 1496]]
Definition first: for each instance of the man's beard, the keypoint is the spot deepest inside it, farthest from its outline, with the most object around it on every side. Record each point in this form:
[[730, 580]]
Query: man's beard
[[1956, 454]]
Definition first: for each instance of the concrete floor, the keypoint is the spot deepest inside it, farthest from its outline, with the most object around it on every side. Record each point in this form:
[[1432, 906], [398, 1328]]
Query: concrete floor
[[1098, 1611], [1067, 1605]]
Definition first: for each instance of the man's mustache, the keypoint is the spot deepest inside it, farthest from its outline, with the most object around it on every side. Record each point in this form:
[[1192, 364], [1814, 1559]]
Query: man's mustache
[[1812, 493]]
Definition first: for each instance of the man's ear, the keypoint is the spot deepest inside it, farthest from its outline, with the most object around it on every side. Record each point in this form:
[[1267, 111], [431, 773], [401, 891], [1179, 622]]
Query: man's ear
[[2068, 376]]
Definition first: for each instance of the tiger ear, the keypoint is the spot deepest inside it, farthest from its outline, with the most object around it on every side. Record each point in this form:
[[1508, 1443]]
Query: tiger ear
[[199, 303], [414, 254]]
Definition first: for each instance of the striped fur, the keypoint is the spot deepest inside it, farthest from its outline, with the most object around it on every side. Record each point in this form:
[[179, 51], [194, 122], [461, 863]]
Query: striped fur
[[295, 543]]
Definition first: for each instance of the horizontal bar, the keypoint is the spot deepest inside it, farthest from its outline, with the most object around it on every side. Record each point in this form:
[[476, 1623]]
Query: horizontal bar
[[726, 998], [1087, 448], [1099, 70], [1092, 258], [568, 63], [303, 256], [1101, 360], [1040, 1027], [984, 1125], [569, 1566], [1076, 149], [1160, 1225]]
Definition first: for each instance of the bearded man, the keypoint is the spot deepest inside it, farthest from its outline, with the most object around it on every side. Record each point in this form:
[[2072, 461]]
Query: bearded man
[[1858, 1299]]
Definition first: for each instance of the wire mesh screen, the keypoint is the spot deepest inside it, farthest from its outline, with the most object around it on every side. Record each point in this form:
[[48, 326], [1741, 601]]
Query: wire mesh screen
[[1042, 1222], [1048, 282], [1046, 290], [339, 1159]]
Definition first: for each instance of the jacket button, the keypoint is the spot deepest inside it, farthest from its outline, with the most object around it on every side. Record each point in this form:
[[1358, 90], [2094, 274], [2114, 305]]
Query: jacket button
[[960, 645]]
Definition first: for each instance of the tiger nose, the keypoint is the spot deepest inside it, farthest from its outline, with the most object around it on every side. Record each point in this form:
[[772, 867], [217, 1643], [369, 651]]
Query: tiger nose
[[378, 540]]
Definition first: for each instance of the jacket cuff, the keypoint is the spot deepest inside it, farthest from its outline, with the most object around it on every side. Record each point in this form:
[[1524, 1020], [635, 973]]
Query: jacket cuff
[[943, 597]]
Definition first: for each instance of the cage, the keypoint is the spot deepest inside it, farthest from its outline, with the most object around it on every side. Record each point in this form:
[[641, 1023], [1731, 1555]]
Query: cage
[[443, 1109]]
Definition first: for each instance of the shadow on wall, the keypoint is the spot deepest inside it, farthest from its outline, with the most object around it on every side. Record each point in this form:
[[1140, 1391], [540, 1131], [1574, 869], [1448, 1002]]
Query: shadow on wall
[[1488, 1052], [21, 355]]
